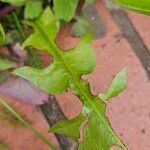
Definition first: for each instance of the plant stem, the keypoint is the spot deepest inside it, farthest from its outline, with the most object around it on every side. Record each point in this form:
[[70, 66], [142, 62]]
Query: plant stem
[[29, 126], [19, 26]]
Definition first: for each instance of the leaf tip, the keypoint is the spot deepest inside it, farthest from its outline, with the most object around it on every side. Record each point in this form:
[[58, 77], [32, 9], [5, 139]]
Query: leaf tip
[[117, 86]]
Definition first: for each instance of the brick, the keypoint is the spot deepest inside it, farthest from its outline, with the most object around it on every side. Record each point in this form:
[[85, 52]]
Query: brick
[[141, 24]]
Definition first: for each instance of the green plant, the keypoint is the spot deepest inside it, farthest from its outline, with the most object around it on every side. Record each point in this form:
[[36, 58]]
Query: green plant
[[91, 129], [64, 72]]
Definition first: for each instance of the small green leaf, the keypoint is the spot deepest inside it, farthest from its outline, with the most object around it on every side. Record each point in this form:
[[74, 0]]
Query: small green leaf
[[117, 86], [15, 2], [65, 9], [5, 64], [33, 9], [67, 126], [81, 28], [2, 35], [142, 6]]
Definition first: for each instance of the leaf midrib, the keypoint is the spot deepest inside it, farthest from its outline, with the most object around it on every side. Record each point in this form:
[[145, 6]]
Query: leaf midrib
[[76, 82]]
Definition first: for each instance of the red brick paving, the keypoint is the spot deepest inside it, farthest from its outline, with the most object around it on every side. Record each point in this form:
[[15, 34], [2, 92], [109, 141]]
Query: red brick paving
[[129, 113], [141, 23]]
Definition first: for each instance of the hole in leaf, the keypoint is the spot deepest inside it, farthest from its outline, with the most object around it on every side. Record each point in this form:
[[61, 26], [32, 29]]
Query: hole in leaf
[[70, 105], [82, 126], [46, 59]]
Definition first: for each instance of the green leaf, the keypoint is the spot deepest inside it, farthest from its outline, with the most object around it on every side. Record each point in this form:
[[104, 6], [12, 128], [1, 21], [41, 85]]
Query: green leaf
[[65, 9], [90, 1], [33, 9], [66, 71], [117, 86], [15, 2], [98, 135], [5, 64], [2, 35], [49, 24], [142, 6], [95, 128], [67, 126], [81, 59], [81, 28], [53, 79]]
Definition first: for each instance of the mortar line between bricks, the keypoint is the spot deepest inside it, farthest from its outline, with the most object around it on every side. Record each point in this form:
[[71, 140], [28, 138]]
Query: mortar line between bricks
[[132, 36], [53, 114]]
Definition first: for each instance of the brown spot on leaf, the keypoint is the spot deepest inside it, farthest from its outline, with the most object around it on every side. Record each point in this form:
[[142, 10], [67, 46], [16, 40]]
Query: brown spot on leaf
[[82, 126]]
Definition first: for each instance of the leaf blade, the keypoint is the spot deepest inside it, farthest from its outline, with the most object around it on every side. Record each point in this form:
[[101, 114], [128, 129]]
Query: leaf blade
[[49, 24], [142, 6], [82, 58], [65, 9], [65, 127], [117, 86], [32, 9], [52, 79], [95, 136]]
